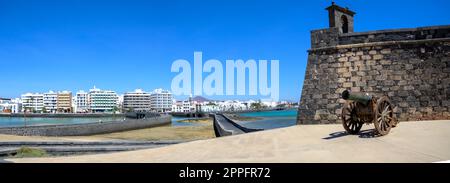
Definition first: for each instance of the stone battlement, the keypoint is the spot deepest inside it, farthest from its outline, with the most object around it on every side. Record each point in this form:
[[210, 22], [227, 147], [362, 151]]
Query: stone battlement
[[331, 37]]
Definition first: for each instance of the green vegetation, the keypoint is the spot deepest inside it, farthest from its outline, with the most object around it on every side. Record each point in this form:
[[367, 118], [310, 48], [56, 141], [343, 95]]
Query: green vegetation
[[28, 152], [257, 106]]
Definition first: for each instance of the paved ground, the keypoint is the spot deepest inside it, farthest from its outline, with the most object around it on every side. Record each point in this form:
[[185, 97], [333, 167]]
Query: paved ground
[[426, 141]]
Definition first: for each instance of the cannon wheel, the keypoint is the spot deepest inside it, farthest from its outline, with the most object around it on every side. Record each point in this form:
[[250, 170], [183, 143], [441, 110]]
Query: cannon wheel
[[384, 116], [352, 124]]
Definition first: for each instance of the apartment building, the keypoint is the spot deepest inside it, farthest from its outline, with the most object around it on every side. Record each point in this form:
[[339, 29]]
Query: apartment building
[[9, 105], [50, 102], [102, 100], [32, 102], [161, 100], [64, 102], [81, 102], [138, 100]]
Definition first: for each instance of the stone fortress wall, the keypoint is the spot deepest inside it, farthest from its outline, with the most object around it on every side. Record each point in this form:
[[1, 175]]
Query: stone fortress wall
[[411, 66]]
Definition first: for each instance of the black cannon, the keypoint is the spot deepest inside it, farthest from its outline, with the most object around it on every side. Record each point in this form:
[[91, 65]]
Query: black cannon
[[362, 108]]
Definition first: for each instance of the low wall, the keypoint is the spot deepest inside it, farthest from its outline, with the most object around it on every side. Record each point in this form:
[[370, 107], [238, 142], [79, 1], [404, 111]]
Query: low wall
[[61, 115], [87, 129]]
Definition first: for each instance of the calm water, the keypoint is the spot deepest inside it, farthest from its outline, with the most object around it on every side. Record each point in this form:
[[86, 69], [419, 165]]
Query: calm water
[[271, 119], [20, 121]]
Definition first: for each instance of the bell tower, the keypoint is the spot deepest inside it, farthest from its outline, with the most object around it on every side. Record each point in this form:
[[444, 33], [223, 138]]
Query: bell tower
[[340, 17]]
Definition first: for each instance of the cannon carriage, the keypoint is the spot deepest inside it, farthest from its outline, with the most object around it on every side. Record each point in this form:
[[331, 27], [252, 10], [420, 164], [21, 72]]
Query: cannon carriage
[[362, 108]]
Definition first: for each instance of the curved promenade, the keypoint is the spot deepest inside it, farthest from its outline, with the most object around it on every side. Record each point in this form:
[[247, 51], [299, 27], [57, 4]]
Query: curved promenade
[[224, 126]]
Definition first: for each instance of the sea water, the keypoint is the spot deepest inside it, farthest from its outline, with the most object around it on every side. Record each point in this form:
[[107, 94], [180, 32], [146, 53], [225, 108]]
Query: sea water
[[38, 121], [271, 119]]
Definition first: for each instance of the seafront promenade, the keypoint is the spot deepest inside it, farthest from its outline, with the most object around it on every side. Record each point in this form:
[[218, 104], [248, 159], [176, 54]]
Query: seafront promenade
[[424, 141]]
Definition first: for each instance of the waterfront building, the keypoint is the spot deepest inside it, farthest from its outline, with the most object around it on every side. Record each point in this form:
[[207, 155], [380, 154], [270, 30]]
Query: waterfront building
[[64, 102], [50, 102], [102, 100], [81, 102], [137, 101], [9, 105], [161, 100], [32, 102], [177, 106]]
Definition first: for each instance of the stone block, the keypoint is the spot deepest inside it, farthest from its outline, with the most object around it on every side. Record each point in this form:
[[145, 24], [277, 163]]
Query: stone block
[[385, 62], [317, 96], [355, 89], [408, 87], [355, 58], [341, 80], [361, 73], [355, 78], [409, 67], [396, 77], [348, 85], [342, 70], [378, 57], [370, 62], [366, 57], [350, 54], [343, 59], [347, 64], [386, 51], [373, 83], [347, 75]]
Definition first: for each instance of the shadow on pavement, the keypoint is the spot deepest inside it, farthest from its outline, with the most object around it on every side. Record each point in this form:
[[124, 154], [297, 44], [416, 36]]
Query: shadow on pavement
[[362, 134]]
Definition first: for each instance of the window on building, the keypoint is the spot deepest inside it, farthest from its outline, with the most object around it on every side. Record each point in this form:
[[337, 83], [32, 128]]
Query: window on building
[[344, 21]]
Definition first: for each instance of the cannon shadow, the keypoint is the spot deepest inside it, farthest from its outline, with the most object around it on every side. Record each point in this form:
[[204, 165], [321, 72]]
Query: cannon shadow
[[370, 133]]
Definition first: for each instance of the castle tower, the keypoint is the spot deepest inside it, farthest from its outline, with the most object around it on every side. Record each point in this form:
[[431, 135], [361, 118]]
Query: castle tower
[[411, 66], [342, 18]]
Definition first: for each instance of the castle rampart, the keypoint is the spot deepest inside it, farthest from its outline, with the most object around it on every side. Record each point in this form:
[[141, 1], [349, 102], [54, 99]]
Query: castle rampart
[[411, 66]]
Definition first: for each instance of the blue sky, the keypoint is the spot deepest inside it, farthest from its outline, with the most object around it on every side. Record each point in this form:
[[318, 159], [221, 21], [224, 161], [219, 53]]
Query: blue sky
[[122, 45]]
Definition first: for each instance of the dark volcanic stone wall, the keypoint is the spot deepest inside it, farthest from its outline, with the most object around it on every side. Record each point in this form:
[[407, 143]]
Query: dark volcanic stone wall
[[411, 66]]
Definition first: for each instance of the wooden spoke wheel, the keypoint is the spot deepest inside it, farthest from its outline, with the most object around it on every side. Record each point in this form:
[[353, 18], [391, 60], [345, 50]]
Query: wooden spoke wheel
[[384, 116], [352, 124]]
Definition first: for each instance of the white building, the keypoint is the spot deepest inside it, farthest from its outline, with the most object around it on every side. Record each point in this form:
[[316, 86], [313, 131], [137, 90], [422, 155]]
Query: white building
[[177, 106], [161, 100], [32, 102], [9, 105], [81, 102], [102, 100], [137, 101], [50, 102]]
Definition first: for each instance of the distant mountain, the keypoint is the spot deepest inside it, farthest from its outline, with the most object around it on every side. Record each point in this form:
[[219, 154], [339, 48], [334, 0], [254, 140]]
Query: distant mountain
[[200, 99]]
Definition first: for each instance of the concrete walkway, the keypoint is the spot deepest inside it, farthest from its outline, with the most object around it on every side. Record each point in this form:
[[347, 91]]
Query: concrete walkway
[[426, 141]]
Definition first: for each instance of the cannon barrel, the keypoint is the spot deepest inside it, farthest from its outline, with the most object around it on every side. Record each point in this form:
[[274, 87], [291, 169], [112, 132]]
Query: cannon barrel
[[358, 97]]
